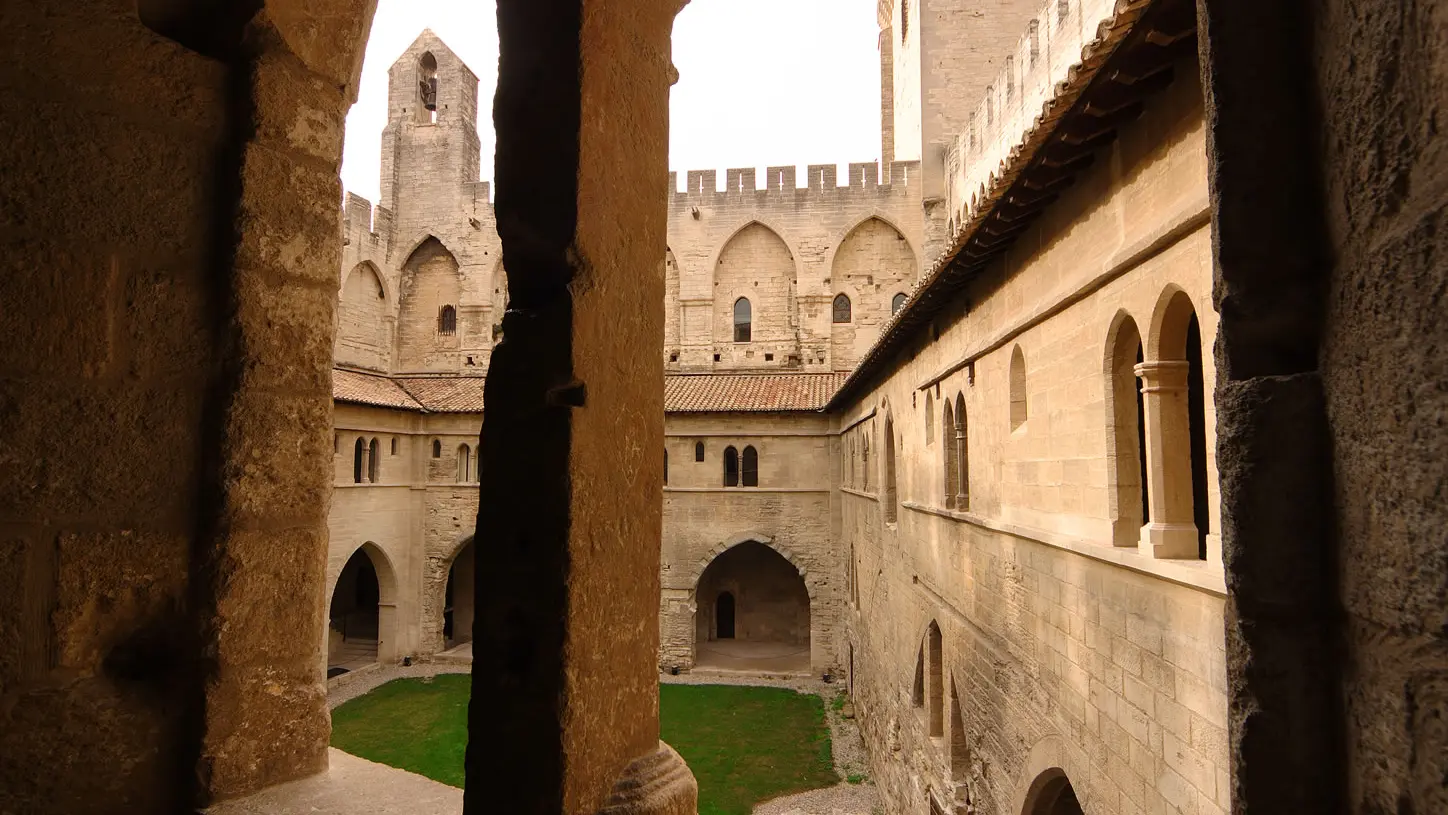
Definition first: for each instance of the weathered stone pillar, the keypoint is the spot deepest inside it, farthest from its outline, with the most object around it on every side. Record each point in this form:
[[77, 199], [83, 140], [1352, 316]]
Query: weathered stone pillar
[[1170, 532], [1274, 454], [564, 715]]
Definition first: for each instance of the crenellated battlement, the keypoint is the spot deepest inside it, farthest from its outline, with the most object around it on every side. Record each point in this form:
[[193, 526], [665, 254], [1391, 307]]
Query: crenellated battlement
[[361, 220], [1048, 51], [701, 187]]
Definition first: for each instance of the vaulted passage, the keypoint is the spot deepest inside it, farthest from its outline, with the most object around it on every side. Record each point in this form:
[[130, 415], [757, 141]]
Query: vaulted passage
[[753, 613], [457, 607], [353, 616]]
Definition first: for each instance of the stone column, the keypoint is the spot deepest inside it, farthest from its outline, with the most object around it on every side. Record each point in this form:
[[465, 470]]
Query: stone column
[[366, 463], [564, 716], [1170, 531]]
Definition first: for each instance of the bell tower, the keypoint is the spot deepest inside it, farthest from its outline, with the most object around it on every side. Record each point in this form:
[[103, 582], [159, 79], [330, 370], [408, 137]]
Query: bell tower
[[430, 146]]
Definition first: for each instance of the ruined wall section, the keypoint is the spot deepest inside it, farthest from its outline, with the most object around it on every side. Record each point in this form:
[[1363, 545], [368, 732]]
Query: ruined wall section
[[790, 511], [811, 221]]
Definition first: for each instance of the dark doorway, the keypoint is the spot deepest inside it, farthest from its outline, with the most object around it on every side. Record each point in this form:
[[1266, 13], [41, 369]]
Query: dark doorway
[[1053, 795], [353, 617], [724, 616], [458, 602]]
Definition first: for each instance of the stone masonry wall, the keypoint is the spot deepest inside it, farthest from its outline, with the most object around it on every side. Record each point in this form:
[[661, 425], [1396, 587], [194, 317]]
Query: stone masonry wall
[[1059, 648], [790, 511], [417, 515], [711, 232]]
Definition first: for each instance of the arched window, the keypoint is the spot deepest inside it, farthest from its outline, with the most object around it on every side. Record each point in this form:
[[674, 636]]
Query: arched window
[[436, 448], [749, 468], [842, 308], [358, 450], [959, 746], [962, 455], [929, 418], [1174, 394], [948, 449], [731, 467], [465, 463], [1018, 388], [865, 459], [698, 451], [935, 681], [917, 688], [891, 510], [394, 445], [1128, 505], [427, 88], [373, 455], [743, 320], [666, 468], [897, 302], [447, 320]]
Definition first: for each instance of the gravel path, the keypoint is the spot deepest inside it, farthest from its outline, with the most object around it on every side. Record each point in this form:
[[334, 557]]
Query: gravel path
[[849, 750]]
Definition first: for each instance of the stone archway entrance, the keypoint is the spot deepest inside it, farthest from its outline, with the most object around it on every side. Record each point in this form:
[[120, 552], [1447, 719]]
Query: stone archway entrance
[[354, 616], [1052, 794], [458, 603], [753, 613]]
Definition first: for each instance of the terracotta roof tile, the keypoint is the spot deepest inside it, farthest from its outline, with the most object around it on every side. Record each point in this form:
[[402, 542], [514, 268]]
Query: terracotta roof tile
[[370, 389], [451, 394], [748, 393], [683, 393]]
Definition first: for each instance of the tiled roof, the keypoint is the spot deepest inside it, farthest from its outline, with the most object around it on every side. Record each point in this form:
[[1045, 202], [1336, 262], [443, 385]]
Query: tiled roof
[[450, 394], [748, 393], [370, 389], [683, 393]]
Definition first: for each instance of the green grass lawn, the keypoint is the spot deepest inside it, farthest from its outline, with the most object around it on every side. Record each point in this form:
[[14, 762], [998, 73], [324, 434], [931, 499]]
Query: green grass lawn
[[745, 745], [413, 724]]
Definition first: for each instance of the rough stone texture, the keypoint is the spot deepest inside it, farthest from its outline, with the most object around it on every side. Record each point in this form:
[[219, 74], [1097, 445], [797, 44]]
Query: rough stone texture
[[1380, 70], [138, 538]]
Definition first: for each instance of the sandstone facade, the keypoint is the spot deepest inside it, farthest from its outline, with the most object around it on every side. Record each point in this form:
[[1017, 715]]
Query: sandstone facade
[[162, 596], [822, 265], [1007, 542]]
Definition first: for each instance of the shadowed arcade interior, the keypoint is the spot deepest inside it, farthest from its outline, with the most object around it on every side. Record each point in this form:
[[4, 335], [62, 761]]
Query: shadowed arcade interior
[[353, 616], [457, 610], [753, 613]]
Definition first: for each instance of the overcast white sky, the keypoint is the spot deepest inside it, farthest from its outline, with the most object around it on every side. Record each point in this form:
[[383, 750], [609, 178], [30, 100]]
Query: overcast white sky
[[761, 82]]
